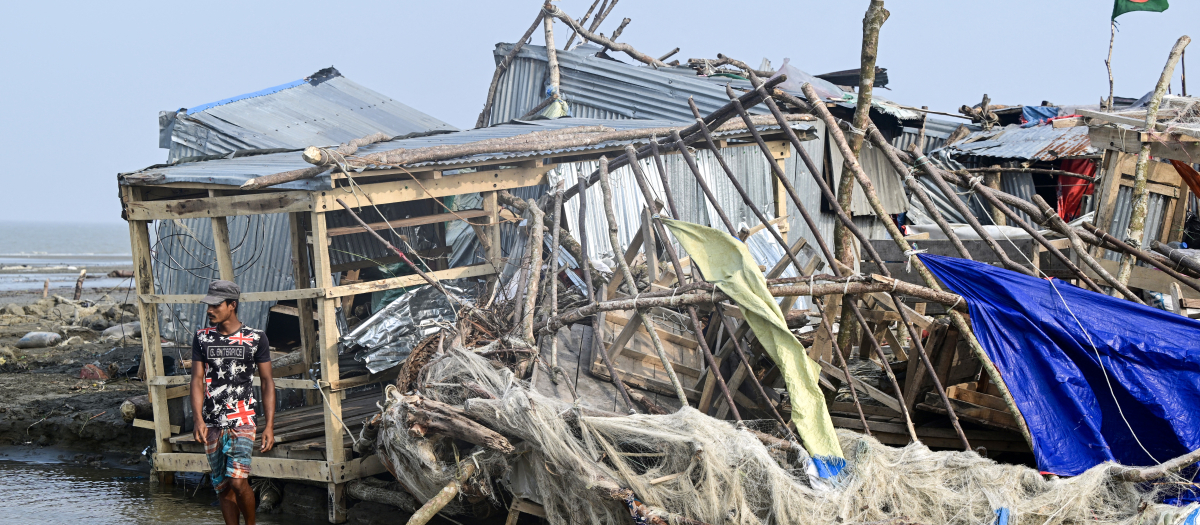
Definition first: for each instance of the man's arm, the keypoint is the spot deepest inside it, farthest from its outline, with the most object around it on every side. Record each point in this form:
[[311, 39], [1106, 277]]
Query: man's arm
[[268, 401], [199, 429]]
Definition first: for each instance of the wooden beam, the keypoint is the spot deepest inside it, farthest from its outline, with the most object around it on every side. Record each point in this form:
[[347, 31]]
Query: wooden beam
[[303, 280], [412, 221], [279, 468], [220, 228], [875, 393], [477, 270], [228, 206], [248, 297], [1129, 141], [280, 384], [149, 425], [409, 190]]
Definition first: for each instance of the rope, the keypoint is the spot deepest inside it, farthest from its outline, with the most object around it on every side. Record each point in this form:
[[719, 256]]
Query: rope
[[856, 131], [849, 278], [908, 255], [335, 414]]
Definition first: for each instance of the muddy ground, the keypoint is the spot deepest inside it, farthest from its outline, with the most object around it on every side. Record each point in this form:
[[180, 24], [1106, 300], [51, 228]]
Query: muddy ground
[[44, 401]]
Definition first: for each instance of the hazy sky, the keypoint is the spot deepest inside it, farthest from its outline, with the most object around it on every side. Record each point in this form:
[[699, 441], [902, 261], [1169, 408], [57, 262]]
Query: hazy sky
[[87, 79]]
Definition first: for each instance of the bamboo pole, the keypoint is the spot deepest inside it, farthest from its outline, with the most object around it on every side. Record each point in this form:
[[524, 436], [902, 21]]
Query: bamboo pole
[[592, 299], [778, 239], [706, 293], [1033, 232], [647, 322], [1141, 195], [536, 235], [857, 314], [648, 195], [1037, 171], [486, 114]]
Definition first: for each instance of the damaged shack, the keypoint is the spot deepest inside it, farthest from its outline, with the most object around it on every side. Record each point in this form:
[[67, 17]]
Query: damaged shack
[[691, 293]]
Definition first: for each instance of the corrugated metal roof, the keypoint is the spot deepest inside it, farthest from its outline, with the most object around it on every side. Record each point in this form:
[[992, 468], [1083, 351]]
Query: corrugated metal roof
[[1045, 143], [235, 171], [602, 87], [321, 110]]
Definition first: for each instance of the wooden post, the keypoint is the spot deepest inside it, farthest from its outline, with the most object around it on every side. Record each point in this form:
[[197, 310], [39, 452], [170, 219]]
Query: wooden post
[[843, 241], [304, 307], [1141, 195], [152, 359], [991, 179], [220, 228], [494, 251], [327, 345], [536, 236], [649, 244]]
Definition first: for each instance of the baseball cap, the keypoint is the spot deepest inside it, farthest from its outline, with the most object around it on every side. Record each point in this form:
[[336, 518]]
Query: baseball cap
[[219, 291]]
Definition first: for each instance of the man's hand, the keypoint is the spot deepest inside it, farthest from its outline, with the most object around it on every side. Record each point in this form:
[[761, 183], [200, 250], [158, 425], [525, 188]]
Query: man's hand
[[200, 431], [268, 439]]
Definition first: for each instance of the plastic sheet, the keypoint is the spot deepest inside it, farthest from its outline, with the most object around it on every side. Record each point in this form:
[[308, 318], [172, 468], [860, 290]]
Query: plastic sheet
[[386, 339], [1097, 378]]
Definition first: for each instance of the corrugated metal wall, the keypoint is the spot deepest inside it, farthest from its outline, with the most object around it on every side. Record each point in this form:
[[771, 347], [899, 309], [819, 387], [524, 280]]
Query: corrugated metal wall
[[184, 263], [1155, 211]]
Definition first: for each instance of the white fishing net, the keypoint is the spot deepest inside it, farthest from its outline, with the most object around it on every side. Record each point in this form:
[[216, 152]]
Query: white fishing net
[[713, 471]]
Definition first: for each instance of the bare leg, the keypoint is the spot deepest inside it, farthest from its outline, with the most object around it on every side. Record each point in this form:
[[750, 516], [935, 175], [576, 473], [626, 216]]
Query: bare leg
[[229, 503], [244, 499]]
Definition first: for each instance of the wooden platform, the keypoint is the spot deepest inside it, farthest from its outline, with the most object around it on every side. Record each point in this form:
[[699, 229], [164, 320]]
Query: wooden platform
[[300, 432]]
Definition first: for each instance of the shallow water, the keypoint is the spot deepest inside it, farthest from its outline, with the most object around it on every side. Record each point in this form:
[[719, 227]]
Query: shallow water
[[36, 492]]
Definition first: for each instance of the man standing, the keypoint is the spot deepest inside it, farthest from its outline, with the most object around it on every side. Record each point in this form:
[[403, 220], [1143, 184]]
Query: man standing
[[223, 359]]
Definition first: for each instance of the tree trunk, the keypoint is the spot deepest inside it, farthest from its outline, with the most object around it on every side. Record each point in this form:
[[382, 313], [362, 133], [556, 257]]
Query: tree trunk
[[536, 228], [426, 416], [1141, 196], [843, 241]]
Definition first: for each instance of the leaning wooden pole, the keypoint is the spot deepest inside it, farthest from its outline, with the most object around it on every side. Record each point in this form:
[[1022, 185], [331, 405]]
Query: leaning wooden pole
[[593, 298], [1117, 245], [648, 195], [762, 218], [555, 235], [1141, 195], [854, 309], [486, 114], [932, 282], [1052, 220], [623, 267], [914, 335]]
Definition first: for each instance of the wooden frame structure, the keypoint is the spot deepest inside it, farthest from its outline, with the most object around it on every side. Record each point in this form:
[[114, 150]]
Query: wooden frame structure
[[333, 463], [328, 459]]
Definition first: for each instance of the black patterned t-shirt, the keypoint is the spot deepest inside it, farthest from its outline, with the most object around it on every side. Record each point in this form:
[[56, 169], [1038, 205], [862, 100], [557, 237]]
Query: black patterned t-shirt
[[229, 373]]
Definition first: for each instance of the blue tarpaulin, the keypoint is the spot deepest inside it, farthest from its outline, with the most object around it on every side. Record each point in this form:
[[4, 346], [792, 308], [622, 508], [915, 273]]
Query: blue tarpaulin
[[1097, 378]]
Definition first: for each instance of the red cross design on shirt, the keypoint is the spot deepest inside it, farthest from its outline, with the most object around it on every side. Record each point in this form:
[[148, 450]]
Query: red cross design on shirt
[[207, 387], [242, 412], [241, 339]]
